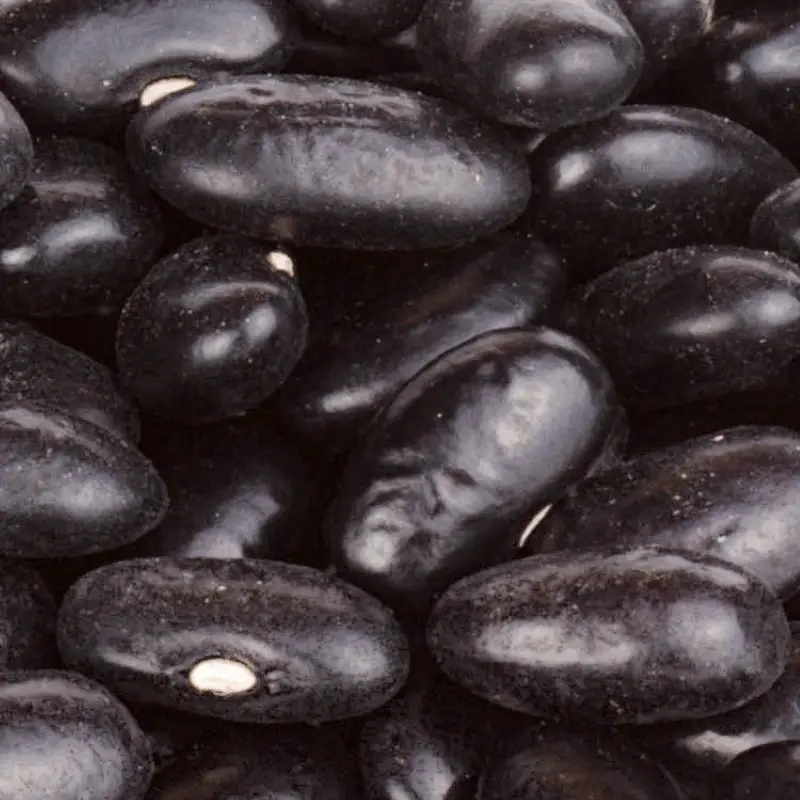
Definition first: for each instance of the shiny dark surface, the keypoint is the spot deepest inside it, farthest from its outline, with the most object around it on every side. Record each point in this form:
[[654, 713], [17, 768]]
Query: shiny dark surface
[[330, 162], [649, 178], [346, 376], [362, 19], [451, 471], [282, 763], [704, 747], [694, 323], [667, 28], [27, 618], [212, 330], [38, 368], [68, 487], [746, 69], [81, 235], [734, 494], [539, 63], [611, 636], [16, 152], [769, 772], [569, 765], [237, 490], [80, 65], [776, 222], [320, 648], [65, 736], [431, 742]]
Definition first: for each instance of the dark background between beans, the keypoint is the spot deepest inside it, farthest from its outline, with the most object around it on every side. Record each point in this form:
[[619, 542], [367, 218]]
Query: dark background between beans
[[399, 400]]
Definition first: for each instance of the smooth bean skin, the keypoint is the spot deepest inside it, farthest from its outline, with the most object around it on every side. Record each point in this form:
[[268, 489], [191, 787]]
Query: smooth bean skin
[[705, 747], [776, 222], [667, 29], [695, 323], [237, 490], [321, 649], [769, 772], [745, 70], [283, 763], [541, 64], [81, 235], [212, 330], [362, 19], [451, 471], [647, 178], [330, 162], [508, 281], [734, 494], [63, 735], [16, 147], [27, 618], [567, 765], [79, 66], [70, 488], [37, 368], [612, 636]]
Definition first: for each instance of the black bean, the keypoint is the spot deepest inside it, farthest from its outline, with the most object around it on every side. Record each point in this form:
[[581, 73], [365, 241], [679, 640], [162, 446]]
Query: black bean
[[734, 494], [769, 772], [65, 736], [81, 66], [330, 162], [37, 368], [536, 63], [212, 330], [81, 235], [649, 178], [362, 19], [695, 323], [453, 468], [507, 281], [68, 487], [16, 153], [244, 640], [612, 636], [776, 222], [236, 490], [304, 764], [27, 618]]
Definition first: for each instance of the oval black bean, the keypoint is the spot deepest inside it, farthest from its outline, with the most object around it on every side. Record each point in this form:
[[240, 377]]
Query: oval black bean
[[65, 736], [81, 235], [16, 147], [776, 222], [69, 488], [243, 640], [212, 330], [81, 66], [610, 636], [647, 178], [695, 323], [507, 281], [362, 19], [536, 63], [305, 764], [330, 162], [449, 474], [734, 494], [27, 619], [236, 490], [40, 369], [768, 772]]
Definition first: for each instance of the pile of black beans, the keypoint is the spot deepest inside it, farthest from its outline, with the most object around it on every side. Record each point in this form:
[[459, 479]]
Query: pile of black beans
[[399, 399]]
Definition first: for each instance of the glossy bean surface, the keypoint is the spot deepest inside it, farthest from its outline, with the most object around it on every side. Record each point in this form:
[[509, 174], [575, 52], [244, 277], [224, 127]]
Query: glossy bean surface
[[16, 147], [362, 19], [330, 162], [638, 635], [306, 646], [448, 476]]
